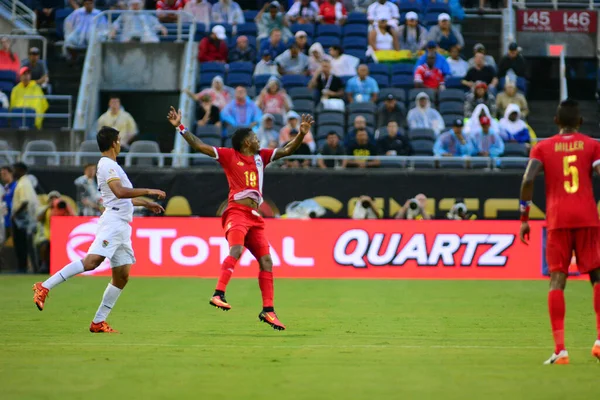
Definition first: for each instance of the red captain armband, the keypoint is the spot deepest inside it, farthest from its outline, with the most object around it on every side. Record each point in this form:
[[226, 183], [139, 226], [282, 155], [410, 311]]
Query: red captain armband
[[524, 207], [181, 129]]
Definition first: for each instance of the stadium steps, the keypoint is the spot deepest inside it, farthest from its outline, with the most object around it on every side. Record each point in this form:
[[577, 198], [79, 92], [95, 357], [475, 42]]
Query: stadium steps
[[485, 30], [542, 121]]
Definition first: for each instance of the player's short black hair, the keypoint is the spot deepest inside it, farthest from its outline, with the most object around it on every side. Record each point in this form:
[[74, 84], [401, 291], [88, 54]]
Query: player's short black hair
[[332, 133], [337, 48], [114, 96], [238, 138], [568, 114], [106, 137], [21, 166]]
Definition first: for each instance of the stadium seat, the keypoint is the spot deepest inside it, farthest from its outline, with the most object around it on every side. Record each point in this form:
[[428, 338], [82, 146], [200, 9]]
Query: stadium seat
[[290, 81], [430, 19], [59, 18], [399, 94], [45, 146], [370, 118], [357, 18], [440, 7], [87, 146], [521, 84], [422, 147], [7, 87], [512, 149], [4, 120], [421, 134], [412, 94], [403, 69], [368, 108], [143, 146], [260, 81], [455, 83], [329, 30], [248, 28], [382, 69], [199, 35], [345, 79], [207, 77], [403, 81], [250, 15], [328, 41], [452, 164], [450, 118], [382, 80], [513, 164], [354, 42], [17, 120], [209, 132], [308, 28], [410, 5], [212, 66], [238, 79], [297, 93], [8, 75], [330, 118], [358, 53], [241, 66], [355, 30], [452, 95], [304, 106], [323, 130], [451, 107]]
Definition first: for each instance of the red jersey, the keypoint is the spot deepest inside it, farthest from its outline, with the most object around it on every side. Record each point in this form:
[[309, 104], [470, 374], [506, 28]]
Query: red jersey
[[162, 5], [430, 77], [245, 174], [569, 161], [331, 12]]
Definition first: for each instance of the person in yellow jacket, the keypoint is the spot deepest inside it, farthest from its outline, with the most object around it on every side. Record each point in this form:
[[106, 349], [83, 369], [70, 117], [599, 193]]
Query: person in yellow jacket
[[19, 97]]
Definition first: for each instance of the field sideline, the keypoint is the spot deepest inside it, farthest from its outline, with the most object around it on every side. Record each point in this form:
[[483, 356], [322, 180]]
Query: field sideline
[[346, 339]]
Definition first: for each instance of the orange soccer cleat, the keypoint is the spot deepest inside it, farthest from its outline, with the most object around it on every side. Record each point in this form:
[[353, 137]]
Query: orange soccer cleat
[[561, 358], [39, 295], [101, 327], [269, 317], [596, 350], [219, 301]]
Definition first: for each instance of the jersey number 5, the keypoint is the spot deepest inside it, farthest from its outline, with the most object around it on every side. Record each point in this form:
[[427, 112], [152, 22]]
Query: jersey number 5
[[571, 170], [250, 178]]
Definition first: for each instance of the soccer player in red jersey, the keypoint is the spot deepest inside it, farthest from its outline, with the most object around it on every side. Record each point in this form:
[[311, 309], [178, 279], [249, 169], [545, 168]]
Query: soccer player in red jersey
[[244, 167], [568, 161]]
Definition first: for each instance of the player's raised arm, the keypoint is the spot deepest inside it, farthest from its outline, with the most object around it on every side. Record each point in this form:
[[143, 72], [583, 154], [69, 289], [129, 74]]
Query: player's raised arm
[[291, 147], [533, 169], [195, 143], [122, 192]]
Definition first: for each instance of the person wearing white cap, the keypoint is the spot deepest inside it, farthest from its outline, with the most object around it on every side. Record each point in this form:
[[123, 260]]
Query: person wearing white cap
[[137, 26], [272, 16], [293, 123], [227, 12], [412, 36], [384, 9], [302, 41], [213, 47], [445, 35], [303, 12]]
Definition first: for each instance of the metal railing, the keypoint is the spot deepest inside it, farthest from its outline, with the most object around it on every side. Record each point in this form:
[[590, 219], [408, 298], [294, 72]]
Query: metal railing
[[508, 22], [24, 115], [556, 4], [28, 36], [20, 14], [564, 90]]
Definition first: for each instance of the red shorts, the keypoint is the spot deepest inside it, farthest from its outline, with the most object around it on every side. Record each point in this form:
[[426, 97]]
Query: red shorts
[[245, 227], [561, 243]]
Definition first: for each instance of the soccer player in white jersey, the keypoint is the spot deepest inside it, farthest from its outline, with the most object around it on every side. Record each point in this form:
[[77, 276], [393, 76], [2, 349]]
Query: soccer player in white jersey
[[113, 236]]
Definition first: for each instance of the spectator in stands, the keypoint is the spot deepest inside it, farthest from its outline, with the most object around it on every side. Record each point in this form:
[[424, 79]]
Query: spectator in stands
[[453, 143], [24, 206], [316, 55], [201, 10], [361, 147], [9, 182], [390, 110], [362, 88], [241, 111], [207, 113], [274, 45], [4, 103], [332, 12], [394, 144], [424, 116], [514, 61], [116, 117], [445, 35], [273, 99], [227, 12], [472, 124], [458, 66], [366, 208], [382, 37], [303, 12], [292, 62], [414, 209], [479, 95], [38, 68], [89, 201], [302, 42], [219, 94], [384, 9], [332, 147], [56, 207], [293, 123], [303, 150], [242, 51], [486, 140], [213, 47], [411, 35], [169, 5], [78, 26], [46, 12], [272, 16], [9, 60], [440, 60], [342, 64], [488, 60], [327, 85], [481, 72], [512, 127], [358, 124], [266, 132], [27, 94], [137, 26], [511, 96], [357, 5], [266, 66], [428, 76]]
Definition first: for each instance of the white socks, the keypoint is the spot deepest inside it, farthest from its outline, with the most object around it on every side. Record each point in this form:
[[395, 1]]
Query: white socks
[[76, 267], [111, 295]]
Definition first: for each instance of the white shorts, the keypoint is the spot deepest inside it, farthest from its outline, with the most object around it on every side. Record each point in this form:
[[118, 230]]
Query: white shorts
[[113, 241]]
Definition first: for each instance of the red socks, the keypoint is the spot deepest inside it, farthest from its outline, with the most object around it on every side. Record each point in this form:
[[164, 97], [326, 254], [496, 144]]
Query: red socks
[[226, 271], [265, 282], [597, 306], [556, 307]]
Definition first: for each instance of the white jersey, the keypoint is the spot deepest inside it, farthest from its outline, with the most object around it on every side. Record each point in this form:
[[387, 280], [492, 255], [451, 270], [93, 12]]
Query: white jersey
[[108, 170]]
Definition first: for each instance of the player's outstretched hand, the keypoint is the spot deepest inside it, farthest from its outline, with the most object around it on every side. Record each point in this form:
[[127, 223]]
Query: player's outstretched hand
[[174, 117], [158, 193], [307, 122], [155, 208], [524, 232]]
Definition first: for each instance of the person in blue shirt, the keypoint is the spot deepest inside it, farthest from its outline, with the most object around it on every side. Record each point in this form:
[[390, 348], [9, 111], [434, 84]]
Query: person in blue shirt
[[486, 140], [362, 88], [273, 45], [6, 176], [440, 60], [512, 127], [242, 111], [453, 143]]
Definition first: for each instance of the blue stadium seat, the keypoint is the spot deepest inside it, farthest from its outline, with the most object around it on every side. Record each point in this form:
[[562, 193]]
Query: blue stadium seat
[[328, 41], [450, 118], [199, 35], [403, 81], [290, 81], [17, 119], [7, 87], [451, 107], [228, 28], [167, 38], [452, 95], [211, 66], [260, 81], [200, 27], [345, 79], [399, 94], [512, 149], [421, 134], [357, 18], [358, 53], [356, 30], [455, 83], [250, 15], [329, 30], [239, 79], [422, 147], [8, 75], [410, 5], [308, 28], [247, 29], [59, 19], [207, 77], [354, 42], [382, 80], [381, 69], [438, 7], [241, 66], [430, 19], [403, 69], [3, 124], [521, 84]]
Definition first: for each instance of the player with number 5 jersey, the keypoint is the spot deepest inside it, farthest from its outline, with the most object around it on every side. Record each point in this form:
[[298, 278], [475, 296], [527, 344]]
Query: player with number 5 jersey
[[244, 166], [568, 161]]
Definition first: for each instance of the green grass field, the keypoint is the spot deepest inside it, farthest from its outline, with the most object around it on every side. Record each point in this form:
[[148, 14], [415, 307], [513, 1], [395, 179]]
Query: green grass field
[[345, 340]]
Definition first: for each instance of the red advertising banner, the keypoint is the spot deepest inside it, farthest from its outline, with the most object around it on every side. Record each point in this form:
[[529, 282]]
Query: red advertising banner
[[574, 21], [321, 248]]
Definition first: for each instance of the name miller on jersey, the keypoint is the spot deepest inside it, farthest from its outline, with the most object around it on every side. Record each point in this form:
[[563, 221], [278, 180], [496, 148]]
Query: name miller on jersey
[[568, 147]]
